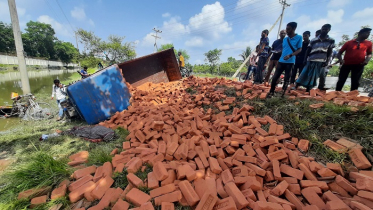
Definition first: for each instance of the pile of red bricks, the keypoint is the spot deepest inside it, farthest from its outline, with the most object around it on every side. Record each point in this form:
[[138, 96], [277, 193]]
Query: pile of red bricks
[[208, 159]]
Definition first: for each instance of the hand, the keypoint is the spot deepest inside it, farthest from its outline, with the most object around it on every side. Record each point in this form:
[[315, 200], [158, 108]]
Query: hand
[[364, 63], [61, 86], [287, 57], [265, 65]]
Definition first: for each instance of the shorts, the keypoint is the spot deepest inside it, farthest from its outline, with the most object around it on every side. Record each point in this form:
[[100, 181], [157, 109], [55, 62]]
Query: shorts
[[276, 56]]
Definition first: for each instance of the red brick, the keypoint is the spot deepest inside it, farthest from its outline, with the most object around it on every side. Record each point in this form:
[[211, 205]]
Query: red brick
[[167, 206], [278, 155], [162, 190], [262, 205], [134, 165], [121, 205], [309, 183], [276, 169], [342, 182], [227, 176], [364, 184], [272, 129], [335, 146], [189, 193], [349, 144], [137, 197], [294, 200], [294, 188], [207, 202], [313, 198], [307, 173], [79, 193], [280, 188], [337, 189], [365, 194], [359, 206], [38, 201], [214, 165], [59, 192], [101, 187], [134, 180], [325, 172], [160, 171], [359, 159], [303, 145], [233, 191], [84, 171], [225, 204], [78, 183], [170, 179], [291, 171]]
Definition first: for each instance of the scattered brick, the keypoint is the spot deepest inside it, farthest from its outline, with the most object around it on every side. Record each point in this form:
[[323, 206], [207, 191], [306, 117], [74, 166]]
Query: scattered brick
[[137, 197]]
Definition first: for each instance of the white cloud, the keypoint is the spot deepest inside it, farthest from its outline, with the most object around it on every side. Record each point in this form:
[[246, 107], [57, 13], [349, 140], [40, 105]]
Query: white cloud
[[338, 3], [60, 29], [210, 22], [194, 42], [334, 17], [78, 13], [166, 15], [366, 13]]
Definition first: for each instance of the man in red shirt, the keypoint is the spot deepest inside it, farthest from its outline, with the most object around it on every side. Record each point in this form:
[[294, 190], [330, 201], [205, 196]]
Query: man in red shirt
[[358, 53]]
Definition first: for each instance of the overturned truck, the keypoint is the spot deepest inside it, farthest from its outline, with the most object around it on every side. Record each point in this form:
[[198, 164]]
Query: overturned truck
[[101, 95]]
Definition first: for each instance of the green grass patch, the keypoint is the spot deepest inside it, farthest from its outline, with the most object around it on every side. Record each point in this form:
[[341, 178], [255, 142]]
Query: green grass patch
[[122, 133], [120, 179], [144, 174], [100, 155]]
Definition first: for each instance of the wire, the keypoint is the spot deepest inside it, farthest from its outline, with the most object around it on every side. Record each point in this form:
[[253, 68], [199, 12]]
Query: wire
[[65, 16]]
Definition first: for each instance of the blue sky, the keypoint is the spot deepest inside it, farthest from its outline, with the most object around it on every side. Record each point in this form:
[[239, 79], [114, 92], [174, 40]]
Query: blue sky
[[196, 26]]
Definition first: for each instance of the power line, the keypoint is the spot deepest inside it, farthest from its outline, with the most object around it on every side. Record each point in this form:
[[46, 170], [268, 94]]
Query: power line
[[65, 15], [155, 38]]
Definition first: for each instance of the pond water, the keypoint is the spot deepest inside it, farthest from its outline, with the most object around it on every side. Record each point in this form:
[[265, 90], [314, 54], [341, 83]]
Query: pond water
[[40, 82]]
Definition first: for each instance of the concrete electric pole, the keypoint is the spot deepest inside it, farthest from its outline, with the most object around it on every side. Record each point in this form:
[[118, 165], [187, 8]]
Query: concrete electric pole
[[19, 47], [156, 37], [284, 5]]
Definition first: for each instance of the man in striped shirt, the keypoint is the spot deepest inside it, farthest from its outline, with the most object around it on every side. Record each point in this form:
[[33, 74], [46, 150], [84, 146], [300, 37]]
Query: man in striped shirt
[[318, 54]]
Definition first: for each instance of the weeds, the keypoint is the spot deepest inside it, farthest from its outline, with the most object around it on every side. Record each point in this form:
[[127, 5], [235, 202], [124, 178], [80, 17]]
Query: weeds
[[120, 179], [144, 175], [122, 133], [100, 155]]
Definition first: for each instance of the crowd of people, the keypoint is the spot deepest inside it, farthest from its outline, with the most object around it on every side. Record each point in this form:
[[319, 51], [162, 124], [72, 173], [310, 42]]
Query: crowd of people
[[310, 59]]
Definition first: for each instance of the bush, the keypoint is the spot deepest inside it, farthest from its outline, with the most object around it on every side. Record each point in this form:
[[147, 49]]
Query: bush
[[90, 62]]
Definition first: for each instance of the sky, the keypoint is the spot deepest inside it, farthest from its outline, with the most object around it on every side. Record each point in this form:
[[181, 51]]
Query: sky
[[196, 26]]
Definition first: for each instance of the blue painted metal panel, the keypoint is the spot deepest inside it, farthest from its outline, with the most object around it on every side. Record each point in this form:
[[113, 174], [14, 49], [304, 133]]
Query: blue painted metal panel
[[101, 95]]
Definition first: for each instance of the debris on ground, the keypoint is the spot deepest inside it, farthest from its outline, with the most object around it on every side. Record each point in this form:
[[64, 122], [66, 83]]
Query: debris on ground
[[208, 151]]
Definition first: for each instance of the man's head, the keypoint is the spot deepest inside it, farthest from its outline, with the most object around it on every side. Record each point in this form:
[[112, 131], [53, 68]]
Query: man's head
[[364, 33], [85, 68], [325, 29], [290, 28], [179, 53], [282, 34], [265, 33], [56, 82], [317, 33], [306, 35]]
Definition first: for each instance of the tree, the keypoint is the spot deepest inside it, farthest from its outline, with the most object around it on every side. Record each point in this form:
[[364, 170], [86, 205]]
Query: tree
[[346, 38], [66, 51], [213, 57], [234, 63], [6, 38], [38, 40], [183, 52], [114, 50], [245, 53]]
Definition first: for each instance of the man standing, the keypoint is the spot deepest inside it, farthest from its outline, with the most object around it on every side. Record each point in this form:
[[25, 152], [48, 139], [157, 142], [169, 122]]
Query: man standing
[[275, 54], [317, 33], [59, 91], [84, 72], [182, 64], [318, 53], [292, 46], [299, 61], [253, 60], [263, 54], [358, 54]]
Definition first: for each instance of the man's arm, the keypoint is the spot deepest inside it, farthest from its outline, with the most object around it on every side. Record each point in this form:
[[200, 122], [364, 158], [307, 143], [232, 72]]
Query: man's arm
[[53, 92], [369, 55], [328, 55], [293, 54], [341, 51]]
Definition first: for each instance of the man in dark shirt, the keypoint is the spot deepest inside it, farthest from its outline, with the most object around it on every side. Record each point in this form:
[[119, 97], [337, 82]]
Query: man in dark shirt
[[263, 54], [299, 61], [275, 54], [358, 54], [317, 33]]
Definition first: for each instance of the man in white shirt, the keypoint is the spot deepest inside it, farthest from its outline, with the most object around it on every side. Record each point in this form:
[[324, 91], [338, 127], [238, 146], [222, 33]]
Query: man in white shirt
[[59, 91]]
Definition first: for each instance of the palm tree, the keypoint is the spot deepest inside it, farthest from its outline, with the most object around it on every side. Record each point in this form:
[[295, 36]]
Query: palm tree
[[245, 54]]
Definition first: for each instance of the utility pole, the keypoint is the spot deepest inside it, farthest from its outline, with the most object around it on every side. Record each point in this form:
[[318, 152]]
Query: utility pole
[[155, 38], [284, 5], [76, 40], [19, 47]]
